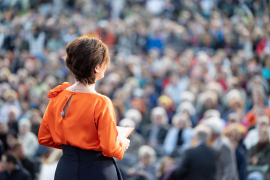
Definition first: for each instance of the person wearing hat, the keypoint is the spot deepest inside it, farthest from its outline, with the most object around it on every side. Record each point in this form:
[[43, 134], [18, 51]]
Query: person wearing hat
[[166, 102]]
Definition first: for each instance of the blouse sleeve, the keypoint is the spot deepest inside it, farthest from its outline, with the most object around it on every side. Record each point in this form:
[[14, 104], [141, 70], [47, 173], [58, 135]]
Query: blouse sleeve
[[44, 134], [107, 132]]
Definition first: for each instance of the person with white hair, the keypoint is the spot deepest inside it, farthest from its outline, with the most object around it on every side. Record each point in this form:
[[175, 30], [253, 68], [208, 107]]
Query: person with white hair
[[179, 136], [188, 108], [136, 116], [155, 132], [226, 168], [199, 161], [29, 139], [145, 168], [187, 96], [211, 113], [208, 100]]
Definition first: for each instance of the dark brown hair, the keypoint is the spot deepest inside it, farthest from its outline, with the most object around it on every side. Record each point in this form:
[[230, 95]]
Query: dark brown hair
[[11, 158], [83, 55]]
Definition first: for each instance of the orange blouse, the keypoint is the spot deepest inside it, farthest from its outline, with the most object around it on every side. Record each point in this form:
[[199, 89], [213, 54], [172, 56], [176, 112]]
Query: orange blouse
[[89, 123]]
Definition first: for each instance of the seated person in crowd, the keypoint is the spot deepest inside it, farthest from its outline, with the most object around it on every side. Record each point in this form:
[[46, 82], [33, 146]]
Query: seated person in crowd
[[12, 119], [155, 132], [236, 105], [179, 136], [188, 108], [259, 109], [145, 168], [198, 162], [11, 169], [35, 120], [11, 100], [25, 162], [253, 135], [1, 148], [136, 116], [233, 132], [3, 134], [166, 168], [11, 139], [29, 139], [259, 156], [166, 102], [235, 117]]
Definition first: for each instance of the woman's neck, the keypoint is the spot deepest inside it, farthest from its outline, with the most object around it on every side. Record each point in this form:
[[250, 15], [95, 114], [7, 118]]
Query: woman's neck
[[80, 87], [79, 84]]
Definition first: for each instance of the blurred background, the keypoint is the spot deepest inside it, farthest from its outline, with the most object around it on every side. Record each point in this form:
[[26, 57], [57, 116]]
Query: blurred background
[[175, 64]]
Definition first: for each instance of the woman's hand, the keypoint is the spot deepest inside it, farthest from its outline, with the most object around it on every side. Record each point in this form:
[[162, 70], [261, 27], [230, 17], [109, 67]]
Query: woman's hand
[[125, 141]]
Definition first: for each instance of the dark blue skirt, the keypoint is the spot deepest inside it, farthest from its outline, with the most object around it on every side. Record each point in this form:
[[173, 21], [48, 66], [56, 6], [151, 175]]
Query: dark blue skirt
[[79, 164]]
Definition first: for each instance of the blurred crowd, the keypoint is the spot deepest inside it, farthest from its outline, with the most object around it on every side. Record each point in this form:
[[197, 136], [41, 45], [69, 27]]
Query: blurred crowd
[[192, 77]]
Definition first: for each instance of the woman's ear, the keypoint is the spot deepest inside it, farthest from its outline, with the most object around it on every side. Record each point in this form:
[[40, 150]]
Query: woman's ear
[[97, 69]]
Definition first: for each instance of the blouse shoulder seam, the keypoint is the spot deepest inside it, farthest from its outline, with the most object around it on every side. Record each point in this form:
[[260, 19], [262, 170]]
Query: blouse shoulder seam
[[106, 99]]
